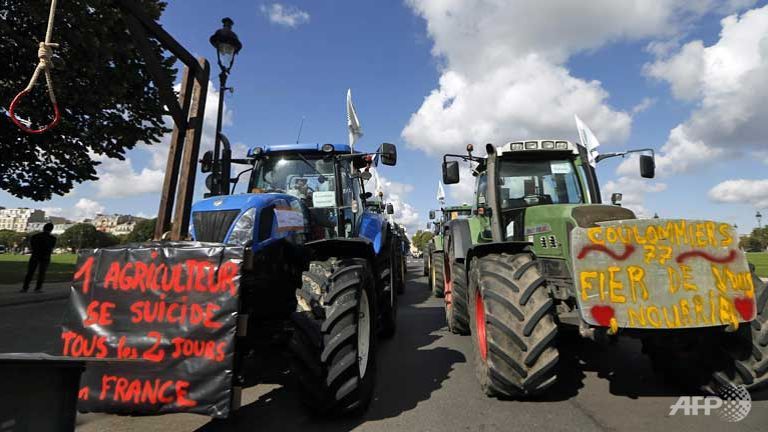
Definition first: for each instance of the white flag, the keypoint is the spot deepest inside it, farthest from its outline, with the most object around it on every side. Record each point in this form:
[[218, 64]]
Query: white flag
[[353, 123], [440, 192], [588, 140]]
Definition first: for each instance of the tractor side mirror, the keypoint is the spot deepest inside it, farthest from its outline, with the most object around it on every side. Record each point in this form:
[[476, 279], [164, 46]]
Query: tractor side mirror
[[365, 195], [431, 215], [206, 163], [450, 172], [647, 166], [390, 209], [616, 199], [388, 154]]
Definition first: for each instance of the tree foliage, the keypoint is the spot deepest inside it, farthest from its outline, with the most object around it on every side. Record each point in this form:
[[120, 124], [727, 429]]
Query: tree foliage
[[10, 238], [757, 241], [142, 231], [105, 94], [421, 238], [86, 236]]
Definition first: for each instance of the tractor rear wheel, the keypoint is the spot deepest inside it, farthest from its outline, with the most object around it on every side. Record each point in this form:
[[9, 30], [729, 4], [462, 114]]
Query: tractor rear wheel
[[513, 328], [456, 309], [438, 274], [710, 359], [334, 343]]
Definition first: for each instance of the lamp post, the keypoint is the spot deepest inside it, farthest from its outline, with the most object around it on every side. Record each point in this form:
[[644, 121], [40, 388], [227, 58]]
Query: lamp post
[[759, 219], [227, 46]]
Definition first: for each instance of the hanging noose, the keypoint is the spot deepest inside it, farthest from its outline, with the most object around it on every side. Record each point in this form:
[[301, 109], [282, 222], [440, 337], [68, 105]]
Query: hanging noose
[[44, 55]]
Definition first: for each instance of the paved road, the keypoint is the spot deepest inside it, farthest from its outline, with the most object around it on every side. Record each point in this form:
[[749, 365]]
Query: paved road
[[426, 383]]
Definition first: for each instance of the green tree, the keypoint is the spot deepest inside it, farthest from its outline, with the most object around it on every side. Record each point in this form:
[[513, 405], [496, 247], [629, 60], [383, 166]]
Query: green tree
[[107, 100], [79, 236], [421, 238], [10, 238], [106, 239], [757, 241], [143, 231]]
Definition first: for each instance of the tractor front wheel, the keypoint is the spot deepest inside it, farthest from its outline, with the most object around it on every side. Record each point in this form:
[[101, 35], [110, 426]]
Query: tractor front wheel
[[334, 343], [456, 309], [710, 359], [513, 328], [438, 274]]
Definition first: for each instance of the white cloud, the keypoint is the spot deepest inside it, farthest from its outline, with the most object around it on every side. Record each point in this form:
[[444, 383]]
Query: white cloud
[[633, 190], [727, 82], [644, 104], [504, 73], [396, 193], [287, 16], [119, 179], [84, 208], [741, 191]]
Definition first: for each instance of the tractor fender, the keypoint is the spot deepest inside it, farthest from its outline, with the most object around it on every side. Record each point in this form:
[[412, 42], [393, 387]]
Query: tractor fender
[[458, 234], [359, 247], [483, 249]]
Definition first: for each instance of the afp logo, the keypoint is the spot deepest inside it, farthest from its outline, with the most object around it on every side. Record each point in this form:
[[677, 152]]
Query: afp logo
[[732, 405]]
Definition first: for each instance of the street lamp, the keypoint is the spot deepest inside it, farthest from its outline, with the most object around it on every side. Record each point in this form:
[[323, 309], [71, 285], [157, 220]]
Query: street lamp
[[759, 219], [227, 46]]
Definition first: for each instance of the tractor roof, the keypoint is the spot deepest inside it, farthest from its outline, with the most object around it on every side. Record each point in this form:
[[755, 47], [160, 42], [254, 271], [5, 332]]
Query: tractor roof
[[539, 146], [297, 147]]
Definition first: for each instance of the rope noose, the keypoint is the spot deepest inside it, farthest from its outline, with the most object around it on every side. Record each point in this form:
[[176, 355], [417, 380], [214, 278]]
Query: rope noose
[[44, 54]]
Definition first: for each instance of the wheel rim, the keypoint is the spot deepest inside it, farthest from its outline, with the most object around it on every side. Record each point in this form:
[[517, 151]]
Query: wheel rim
[[480, 324], [363, 333]]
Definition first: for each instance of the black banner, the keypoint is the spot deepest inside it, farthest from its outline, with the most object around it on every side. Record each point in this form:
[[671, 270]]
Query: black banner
[[168, 311]]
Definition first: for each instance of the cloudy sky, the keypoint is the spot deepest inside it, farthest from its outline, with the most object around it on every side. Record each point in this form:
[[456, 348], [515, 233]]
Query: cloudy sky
[[685, 77]]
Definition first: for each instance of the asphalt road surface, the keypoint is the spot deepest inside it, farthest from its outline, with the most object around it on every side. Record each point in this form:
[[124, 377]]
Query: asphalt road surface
[[426, 382]]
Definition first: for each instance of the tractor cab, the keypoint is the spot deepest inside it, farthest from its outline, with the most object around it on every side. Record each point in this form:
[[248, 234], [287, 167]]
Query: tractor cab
[[308, 191]]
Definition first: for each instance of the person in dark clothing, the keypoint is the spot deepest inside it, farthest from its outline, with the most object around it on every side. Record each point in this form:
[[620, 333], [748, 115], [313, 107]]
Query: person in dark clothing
[[42, 245]]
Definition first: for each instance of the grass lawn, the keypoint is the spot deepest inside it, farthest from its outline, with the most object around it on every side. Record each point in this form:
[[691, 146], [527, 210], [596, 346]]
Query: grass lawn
[[14, 267], [760, 260]]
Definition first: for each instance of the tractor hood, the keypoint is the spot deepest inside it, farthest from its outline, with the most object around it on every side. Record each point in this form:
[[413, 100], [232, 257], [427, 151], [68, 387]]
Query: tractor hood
[[213, 219], [588, 215], [237, 202], [548, 227]]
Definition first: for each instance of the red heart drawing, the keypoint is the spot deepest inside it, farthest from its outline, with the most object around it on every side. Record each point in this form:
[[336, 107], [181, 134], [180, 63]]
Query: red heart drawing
[[602, 314], [746, 307]]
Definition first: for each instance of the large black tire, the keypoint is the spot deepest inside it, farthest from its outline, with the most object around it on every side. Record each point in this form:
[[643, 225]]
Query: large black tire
[[710, 359], [389, 297], [400, 271], [326, 341], [513, 326], [456, 301], [438, 274]]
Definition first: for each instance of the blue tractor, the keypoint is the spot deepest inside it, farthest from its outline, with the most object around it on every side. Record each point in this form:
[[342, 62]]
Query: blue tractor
[[321, 272]]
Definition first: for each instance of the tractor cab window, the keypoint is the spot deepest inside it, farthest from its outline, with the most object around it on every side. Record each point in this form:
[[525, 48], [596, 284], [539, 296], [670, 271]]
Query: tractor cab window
[[311, 179], [482, 184], [525, 183]]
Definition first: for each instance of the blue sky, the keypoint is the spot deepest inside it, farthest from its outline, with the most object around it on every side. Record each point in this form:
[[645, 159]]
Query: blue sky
[[431, 75]]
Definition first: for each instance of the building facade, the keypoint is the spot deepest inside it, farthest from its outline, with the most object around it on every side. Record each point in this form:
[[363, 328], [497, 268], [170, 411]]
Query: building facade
[[18, 219]]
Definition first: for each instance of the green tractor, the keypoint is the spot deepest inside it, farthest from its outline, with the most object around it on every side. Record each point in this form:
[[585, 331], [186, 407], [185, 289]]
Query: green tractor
[[541, 253], [433, 253]]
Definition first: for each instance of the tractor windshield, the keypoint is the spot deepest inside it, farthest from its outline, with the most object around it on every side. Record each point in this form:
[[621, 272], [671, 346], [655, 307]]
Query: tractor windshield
[[525, 183], [306, 177]]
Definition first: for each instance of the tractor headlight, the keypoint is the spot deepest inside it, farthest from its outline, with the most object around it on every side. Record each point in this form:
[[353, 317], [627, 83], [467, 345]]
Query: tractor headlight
[[561, 145], [531, 145], [517, 146], [548, 145], [243, 230]]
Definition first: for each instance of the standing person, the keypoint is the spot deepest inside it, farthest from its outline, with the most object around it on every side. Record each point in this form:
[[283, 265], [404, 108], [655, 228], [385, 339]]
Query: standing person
[[42, 245]]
